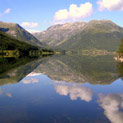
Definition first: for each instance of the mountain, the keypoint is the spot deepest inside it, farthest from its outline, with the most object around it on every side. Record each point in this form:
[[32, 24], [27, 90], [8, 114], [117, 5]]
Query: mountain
[[99, 34], [56, 34], [19, 33], [8, 42]]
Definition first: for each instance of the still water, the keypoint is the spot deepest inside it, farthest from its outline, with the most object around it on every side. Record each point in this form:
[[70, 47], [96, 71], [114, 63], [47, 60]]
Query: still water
[[61, 89]]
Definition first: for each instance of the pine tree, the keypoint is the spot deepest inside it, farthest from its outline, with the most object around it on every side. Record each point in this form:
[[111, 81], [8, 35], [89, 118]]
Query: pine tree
[[120, 49]]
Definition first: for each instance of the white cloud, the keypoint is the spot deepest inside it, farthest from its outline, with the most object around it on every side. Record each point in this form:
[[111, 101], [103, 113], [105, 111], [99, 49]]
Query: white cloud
[[62, 15], [29, 24], [74, 13], [75, 91], [7, 11], [112, 105], [32, 31], [111, 5]]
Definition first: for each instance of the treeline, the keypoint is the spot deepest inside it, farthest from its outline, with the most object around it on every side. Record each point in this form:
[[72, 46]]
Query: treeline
[[9, 43], [120, 49]]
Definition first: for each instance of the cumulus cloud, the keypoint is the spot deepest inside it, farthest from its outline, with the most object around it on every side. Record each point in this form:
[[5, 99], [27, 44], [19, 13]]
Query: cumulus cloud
[[29, 81], [75, 91], [112, 103], [110, 5], [32, 31], [7, 11], [29, 24], [74, 13]]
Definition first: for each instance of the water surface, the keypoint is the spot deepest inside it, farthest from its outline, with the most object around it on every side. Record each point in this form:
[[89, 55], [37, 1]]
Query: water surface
[[58, 89]]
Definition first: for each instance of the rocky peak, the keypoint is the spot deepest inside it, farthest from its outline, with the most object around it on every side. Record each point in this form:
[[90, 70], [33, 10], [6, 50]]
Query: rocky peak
[[54, 27]]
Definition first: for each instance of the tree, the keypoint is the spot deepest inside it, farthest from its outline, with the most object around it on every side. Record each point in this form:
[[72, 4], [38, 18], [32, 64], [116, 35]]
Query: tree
[[120, 49]]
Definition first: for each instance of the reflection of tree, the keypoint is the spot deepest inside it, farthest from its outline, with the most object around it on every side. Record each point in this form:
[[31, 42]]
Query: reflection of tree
[[112, 103], [75, 91], [13, 70], [120, 68]]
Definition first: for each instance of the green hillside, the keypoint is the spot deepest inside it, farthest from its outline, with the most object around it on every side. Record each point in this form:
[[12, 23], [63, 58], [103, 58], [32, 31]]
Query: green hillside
[[96, 34], [59, 33], [9, 43], [19, 33], [103, 35]]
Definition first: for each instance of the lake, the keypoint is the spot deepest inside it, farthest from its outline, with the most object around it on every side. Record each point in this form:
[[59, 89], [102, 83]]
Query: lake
[[61, 89]]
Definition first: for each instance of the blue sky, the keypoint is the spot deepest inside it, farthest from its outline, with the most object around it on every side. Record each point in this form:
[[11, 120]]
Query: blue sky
[[40, 14]]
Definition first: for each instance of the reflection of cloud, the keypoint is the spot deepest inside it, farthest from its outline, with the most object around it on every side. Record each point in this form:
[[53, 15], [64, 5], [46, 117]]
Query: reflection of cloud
[[32, 80], [34, 74], [9, 95], [75, 92], [111, 104]]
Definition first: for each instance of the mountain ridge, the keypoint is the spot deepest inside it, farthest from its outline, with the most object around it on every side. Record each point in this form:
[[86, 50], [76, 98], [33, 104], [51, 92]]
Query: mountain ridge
[[97, 34], [53, 33], [19, 33], [10, 43]]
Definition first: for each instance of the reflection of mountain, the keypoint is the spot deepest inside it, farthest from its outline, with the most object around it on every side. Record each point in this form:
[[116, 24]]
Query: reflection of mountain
[[57, 70], [79, 69], [120, 68], [112, 103], [14, 70], [95, 70]]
